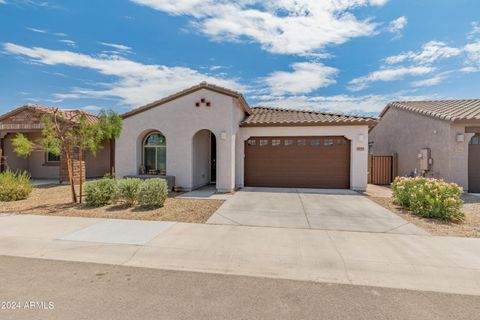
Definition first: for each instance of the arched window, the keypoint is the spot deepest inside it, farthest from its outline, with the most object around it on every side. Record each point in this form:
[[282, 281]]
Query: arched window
[[155, 153], [475, 139]]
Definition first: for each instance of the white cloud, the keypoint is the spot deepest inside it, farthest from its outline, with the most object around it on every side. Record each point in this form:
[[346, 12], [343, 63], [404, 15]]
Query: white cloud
[[473, 52], [475, 30], [69, 43], [120, 47], [430, 52], [37, 30], [362, 104], [136, 83], [3, 2], [45, 31], [305, 78], [92, 108], [432, 81], [470, 69], [280, 26], [396, 26], [388, 74]]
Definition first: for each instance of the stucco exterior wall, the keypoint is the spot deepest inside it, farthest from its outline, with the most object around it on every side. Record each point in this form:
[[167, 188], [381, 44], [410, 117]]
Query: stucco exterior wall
[[178, 121], [406, 133], [35, 163], [358, 154], [98, 165], [13, 162]]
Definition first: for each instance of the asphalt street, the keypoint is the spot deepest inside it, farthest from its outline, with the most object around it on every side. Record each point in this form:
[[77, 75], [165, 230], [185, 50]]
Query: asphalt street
[[47, 289]]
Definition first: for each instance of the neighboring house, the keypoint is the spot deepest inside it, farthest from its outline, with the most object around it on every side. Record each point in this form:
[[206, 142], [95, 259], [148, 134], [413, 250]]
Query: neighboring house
[[41, 164], [209, 134], [438, 138]]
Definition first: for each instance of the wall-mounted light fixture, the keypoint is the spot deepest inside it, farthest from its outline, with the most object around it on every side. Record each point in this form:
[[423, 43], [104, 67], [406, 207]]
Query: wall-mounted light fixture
[[223, 135], [361, 137], [460, 137]]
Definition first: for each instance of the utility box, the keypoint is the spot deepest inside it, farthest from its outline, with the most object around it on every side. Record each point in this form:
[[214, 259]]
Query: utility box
[[425, 159]]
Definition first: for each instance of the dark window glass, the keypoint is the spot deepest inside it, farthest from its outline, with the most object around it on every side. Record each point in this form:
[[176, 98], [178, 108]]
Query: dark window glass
[[475, 139], [315, 143], [328, 142], [263, 142], [288, 142], [52, 158], [252, 142], [275, 142], [301, 142]]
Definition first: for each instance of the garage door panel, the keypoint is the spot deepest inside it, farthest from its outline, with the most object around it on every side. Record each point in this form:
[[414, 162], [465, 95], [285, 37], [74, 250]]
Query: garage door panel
[[315, 162]]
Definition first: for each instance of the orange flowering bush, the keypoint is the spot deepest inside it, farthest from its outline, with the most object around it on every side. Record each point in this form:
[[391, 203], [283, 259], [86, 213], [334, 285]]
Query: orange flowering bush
[[428, 197]]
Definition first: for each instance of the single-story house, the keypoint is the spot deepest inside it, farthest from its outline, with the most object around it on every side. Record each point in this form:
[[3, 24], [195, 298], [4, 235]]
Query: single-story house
[[210, 135], [41, 164], [439, 139]]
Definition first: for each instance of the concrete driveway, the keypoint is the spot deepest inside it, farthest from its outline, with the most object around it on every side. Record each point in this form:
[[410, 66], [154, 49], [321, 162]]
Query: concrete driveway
[[310, 209]]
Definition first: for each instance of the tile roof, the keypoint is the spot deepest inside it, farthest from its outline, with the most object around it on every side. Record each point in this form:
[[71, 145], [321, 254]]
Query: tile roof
[[269, 116], [68, 114], [451, 110], [202, 85]]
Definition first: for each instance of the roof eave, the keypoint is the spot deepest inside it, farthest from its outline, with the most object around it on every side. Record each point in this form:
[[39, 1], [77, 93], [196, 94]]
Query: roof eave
[[241, 99], [309, 124]]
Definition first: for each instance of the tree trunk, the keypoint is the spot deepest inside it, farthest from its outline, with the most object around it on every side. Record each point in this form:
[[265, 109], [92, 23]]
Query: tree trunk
[[80, 158], [70, 176]]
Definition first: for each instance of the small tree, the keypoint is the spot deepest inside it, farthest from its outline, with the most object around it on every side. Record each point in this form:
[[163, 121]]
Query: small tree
[[65, 132]]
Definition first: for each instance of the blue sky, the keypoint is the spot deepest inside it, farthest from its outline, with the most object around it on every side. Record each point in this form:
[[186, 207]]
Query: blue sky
[[350, 56]]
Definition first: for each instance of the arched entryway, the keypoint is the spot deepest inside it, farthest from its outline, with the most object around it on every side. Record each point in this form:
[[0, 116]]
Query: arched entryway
[[204, 158], [474, 164]]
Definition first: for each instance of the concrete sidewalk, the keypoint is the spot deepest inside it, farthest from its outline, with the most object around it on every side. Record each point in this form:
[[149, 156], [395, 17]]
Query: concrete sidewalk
[[443, 264]]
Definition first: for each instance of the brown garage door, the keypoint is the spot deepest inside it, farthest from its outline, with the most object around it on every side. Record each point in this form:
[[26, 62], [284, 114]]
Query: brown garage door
[[474, 164], [304, 162]]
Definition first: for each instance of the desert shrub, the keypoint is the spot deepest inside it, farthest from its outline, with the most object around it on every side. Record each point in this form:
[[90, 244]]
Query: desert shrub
[[430, 198], [100, 192], [14, 185], [152, 193], [127, 191]]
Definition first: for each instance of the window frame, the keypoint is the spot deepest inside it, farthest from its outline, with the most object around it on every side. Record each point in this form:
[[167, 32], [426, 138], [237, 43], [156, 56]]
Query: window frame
[[301, 142], [156, 148], [276, 142], [51, 162]]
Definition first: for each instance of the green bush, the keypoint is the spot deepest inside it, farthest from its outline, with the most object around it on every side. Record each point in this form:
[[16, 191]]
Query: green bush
[[430, 198], [127, 191], [14, 185], [152, 193], [100, 192]]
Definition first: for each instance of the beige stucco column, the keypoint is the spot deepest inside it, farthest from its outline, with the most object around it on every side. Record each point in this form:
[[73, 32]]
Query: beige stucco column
[[225, 162]]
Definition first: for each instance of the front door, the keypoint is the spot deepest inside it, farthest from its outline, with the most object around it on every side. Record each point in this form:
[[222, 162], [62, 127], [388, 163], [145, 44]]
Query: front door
[[213, 158], [474, 164]]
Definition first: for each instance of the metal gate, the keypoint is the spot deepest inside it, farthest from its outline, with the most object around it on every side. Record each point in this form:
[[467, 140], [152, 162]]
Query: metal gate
[[382, 169]]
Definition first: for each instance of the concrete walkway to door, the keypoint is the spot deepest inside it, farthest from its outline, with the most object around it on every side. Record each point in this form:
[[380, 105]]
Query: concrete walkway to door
[[343, 210]]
